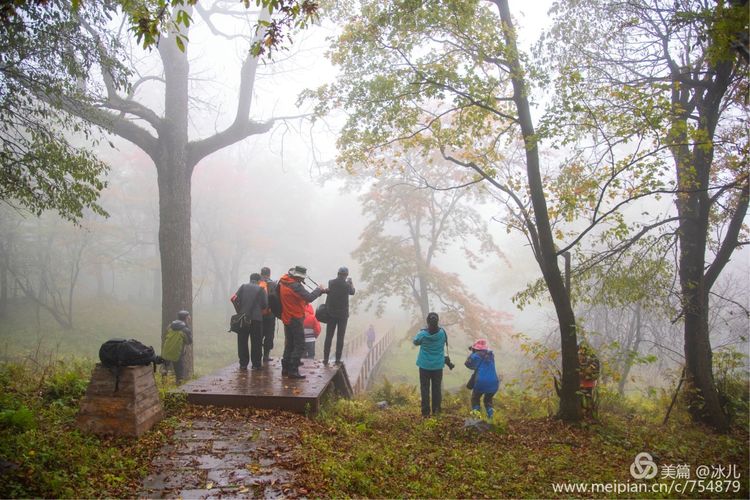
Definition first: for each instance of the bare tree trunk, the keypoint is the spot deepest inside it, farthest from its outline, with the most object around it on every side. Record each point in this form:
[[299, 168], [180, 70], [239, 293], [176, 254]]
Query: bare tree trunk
[[693, 168], [4, 279], [570, 407], [156, 275], [174, 181], [635, 335]]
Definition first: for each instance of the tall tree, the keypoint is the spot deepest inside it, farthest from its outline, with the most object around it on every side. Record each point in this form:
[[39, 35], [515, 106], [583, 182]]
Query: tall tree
[[164, 135], [414, 225], [670, 78], [447, 77]]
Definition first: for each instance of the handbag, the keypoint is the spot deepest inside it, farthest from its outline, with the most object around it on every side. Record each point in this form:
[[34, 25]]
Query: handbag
[[238, 322], [321, 313]]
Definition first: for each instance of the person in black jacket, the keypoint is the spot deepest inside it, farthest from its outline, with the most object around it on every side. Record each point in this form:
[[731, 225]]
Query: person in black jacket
[[337, 302], [251, 300]]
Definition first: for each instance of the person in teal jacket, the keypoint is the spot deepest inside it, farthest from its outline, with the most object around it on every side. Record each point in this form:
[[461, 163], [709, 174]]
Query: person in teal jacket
[[431, 341], [487, 382]]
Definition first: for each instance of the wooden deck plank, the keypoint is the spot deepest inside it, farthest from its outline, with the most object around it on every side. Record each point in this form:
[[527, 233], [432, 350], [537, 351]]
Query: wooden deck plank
[[265, 388]]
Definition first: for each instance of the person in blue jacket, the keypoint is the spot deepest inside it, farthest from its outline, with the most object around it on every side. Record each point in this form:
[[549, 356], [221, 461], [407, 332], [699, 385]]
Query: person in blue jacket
[[487, 382], [431, 341]]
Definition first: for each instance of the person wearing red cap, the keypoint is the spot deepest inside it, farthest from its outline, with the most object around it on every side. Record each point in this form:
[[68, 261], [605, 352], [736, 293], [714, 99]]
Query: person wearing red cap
[[486, 381]]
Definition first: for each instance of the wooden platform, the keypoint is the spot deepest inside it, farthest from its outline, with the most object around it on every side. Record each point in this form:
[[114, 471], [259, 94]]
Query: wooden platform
[[266, 388]]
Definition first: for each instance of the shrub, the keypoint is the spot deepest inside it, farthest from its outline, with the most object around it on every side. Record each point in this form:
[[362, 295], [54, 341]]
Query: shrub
[[395, 395], [20, 420]]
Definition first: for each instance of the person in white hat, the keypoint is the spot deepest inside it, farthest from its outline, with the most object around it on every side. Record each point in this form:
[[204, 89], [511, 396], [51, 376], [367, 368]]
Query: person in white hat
[[294, 297]]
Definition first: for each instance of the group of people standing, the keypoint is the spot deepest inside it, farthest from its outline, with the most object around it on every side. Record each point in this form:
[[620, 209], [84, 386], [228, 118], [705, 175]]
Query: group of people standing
[[432, 341], [300, 329], [251, 300]]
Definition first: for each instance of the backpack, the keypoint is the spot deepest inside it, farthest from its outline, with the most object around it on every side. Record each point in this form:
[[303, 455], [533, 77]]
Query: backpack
[[264, 285], [274, 299], [115, 353], [174, 340]]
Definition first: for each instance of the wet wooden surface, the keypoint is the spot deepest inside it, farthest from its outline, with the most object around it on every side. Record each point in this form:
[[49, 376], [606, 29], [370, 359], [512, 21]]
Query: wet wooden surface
[[266, 388]]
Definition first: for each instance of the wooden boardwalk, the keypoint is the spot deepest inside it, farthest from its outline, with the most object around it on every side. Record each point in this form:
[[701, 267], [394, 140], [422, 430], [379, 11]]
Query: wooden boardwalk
[[266, 388]]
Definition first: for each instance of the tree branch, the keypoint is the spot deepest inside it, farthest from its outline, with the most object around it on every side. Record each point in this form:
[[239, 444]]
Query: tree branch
[[731, 240]]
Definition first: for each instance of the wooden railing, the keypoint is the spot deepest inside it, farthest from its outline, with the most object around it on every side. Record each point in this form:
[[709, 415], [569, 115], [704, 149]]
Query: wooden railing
[[352, 345], [373, 358]]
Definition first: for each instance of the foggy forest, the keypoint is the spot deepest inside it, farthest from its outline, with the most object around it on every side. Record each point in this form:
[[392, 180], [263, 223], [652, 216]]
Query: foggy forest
[[563, 184]]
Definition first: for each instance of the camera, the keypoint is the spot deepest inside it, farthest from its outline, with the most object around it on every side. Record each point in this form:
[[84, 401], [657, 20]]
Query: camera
[[448, 363]]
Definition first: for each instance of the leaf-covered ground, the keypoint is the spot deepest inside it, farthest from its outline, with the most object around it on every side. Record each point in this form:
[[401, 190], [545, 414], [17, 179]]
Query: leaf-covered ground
[[358, 450], [352, 449]]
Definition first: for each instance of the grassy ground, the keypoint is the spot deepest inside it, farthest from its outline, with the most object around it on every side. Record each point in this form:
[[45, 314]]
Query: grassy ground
[[42, 454], [24, 333], [352, 449], [357, 450]]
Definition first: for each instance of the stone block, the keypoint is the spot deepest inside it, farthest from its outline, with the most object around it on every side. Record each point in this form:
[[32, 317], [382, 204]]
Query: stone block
[[130, 411]]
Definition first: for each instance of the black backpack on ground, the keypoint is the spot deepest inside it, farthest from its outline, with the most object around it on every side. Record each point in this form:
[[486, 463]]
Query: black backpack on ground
[[115, 353], [274, 299]]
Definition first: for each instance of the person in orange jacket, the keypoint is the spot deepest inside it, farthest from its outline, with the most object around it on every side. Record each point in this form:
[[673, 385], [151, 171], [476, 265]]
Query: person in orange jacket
[[294, 297], [312, 331]]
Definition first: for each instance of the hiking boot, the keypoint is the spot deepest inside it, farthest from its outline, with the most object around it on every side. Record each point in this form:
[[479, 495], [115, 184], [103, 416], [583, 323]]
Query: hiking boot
[[296, 374], [338, 362], [267, 359], [325, 362]]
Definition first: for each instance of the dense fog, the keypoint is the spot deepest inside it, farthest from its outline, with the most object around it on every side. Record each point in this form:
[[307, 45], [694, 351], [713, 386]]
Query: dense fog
[[279, 199]]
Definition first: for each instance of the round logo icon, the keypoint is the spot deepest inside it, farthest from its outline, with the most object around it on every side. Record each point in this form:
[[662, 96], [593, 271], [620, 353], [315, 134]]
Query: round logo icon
[[643, 467]]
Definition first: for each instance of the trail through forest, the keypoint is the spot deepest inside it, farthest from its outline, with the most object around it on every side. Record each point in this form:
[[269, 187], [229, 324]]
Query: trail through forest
[[223, 452]]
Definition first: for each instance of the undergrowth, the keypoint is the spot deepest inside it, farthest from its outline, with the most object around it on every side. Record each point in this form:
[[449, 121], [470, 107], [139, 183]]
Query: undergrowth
[[43, 454], [376, 447], [380, 447]]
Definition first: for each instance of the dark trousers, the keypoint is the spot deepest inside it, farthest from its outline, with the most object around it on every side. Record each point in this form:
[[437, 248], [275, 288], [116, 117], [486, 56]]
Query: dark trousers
[[476, 396], [242, 350], [174, 366], [330, 329], [179, 369], [256, 343], [269, 326], [294, 344], [310, 350], [254, 333], [431, 383]]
